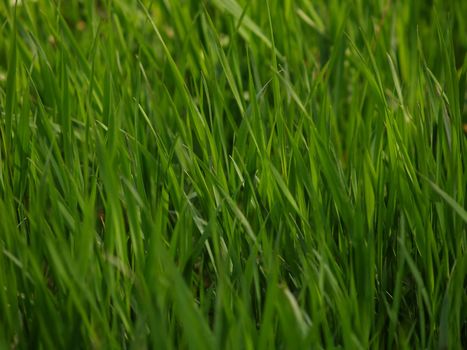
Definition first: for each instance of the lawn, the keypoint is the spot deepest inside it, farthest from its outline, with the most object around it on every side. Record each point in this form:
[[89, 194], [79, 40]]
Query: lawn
[[233, 174]]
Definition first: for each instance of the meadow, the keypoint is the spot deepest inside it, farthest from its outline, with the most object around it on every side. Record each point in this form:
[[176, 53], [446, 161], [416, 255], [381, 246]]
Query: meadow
[[233, 174]]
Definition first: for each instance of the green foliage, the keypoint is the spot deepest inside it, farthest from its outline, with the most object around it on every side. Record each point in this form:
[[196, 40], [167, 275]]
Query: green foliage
[[233, 174]]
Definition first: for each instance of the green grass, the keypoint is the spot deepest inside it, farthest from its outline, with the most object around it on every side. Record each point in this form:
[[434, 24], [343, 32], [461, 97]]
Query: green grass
[[233, 174]]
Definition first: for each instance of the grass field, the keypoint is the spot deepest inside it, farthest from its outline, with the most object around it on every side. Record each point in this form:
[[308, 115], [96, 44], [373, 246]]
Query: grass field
[[233, 174]]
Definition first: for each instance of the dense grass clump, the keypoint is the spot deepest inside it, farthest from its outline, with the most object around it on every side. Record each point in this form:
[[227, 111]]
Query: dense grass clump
[[233, 174]]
